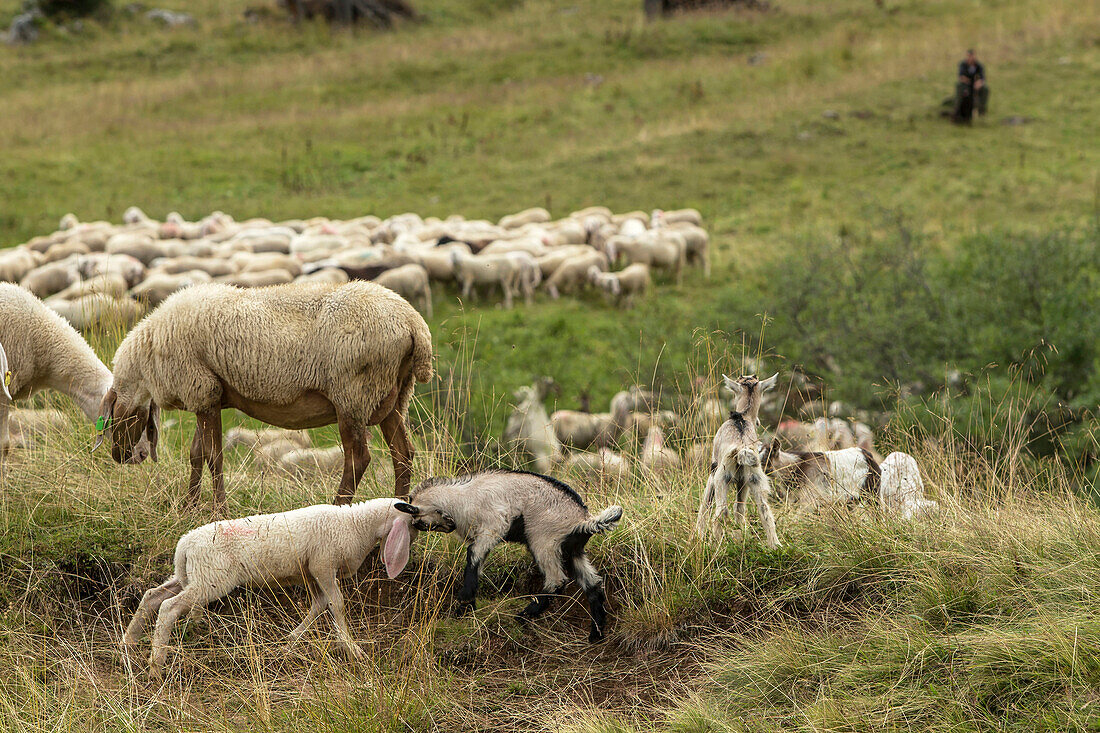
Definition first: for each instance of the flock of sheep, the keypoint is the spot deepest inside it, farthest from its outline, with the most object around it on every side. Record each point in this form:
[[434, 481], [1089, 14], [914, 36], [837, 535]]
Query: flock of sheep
[[315, 349], [96, 272]]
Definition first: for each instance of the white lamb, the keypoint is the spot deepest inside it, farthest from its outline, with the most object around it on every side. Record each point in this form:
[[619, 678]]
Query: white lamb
[[902, 489], [313, 546]]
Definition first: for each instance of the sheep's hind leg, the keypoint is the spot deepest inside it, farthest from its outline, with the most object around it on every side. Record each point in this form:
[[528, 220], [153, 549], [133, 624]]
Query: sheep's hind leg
[[170, 611], [198, 459], [212, 435], [150, 604], [356, 458], [401, 452]]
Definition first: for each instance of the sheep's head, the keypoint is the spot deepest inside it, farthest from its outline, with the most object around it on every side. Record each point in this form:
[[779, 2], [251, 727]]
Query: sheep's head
[[133, 429], [427, 518]]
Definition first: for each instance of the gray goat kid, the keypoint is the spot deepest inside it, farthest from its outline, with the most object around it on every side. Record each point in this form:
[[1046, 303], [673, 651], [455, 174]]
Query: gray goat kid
[[735, 462], [544, 514]]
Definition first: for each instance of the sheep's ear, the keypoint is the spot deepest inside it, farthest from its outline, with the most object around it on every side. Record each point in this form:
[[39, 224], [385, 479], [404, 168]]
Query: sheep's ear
[[152, 430], [407, 508], [106, 414], [731, 384], [768, 383], [395, 554]]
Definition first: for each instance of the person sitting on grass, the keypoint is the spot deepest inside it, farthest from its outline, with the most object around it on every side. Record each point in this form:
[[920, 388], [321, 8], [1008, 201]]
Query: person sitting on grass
[[971, 91]]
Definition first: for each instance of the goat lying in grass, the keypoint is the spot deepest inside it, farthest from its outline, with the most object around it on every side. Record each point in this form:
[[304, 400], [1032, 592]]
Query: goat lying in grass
[[314, 545], [540, 512]]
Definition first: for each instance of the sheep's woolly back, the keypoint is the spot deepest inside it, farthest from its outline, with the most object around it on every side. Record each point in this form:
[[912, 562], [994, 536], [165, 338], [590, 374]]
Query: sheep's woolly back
[[275, 345], [277, 547], [44, 351]]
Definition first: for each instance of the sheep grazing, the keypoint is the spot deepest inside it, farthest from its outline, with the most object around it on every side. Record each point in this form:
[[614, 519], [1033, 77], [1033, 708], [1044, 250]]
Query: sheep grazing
[[603, 463], [485, 270], [623, 285], [902, 489], [314, 546], [823, 478], [572, 275], [411, 283], [655, 455], [529, 431], [735, 462], [635, 399], [295, 356], [42, 351], [584, 429], [544, 514], [254, 439]]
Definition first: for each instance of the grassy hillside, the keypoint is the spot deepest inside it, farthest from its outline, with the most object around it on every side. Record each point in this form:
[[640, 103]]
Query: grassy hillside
[[488, 107], [876, 238]]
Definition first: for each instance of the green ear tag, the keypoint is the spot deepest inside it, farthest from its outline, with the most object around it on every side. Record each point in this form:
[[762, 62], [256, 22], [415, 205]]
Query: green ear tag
[[101, 424]]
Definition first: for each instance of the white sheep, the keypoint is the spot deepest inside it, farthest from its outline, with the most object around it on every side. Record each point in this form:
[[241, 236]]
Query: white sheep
[[485, 270], [529, 430], [632, 280], [902, 488], [314, 546], [296, 356], [655, 455], [662, 249], [823, 478], [572, 274], [15, 263], [537, 215], [544, 514], [51, 278], [156, 288], [411, 283], [583, 429], [735, 463], [527, 274], [603, 463], [42, 351], [261, 279]]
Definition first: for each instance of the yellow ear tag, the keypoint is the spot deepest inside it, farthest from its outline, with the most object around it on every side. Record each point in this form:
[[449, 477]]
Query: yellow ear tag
[[7, 379]]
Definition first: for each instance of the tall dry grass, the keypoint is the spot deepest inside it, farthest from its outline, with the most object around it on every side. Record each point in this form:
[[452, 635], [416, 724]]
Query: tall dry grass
[[979, 616]]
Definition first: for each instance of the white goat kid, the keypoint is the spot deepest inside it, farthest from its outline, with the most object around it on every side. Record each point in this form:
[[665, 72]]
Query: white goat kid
[[735, 463]]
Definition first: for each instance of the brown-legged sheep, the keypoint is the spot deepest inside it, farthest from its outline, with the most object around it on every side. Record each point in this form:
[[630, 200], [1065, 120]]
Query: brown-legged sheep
[[295, 356]]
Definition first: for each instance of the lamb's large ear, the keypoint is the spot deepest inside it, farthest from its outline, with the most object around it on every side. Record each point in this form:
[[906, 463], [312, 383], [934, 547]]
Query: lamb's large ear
[[106, 414], [407, 508], [731, 384], [395, 554], [768, 383], [152, 430]]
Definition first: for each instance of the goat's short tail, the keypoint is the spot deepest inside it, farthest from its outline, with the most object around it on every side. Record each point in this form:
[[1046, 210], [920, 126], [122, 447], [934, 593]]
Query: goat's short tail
[[605, 521]]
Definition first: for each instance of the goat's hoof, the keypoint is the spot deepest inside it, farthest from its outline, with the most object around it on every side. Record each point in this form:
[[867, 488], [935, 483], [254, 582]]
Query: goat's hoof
[[464, 608], [355, 652], [595, 635]]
